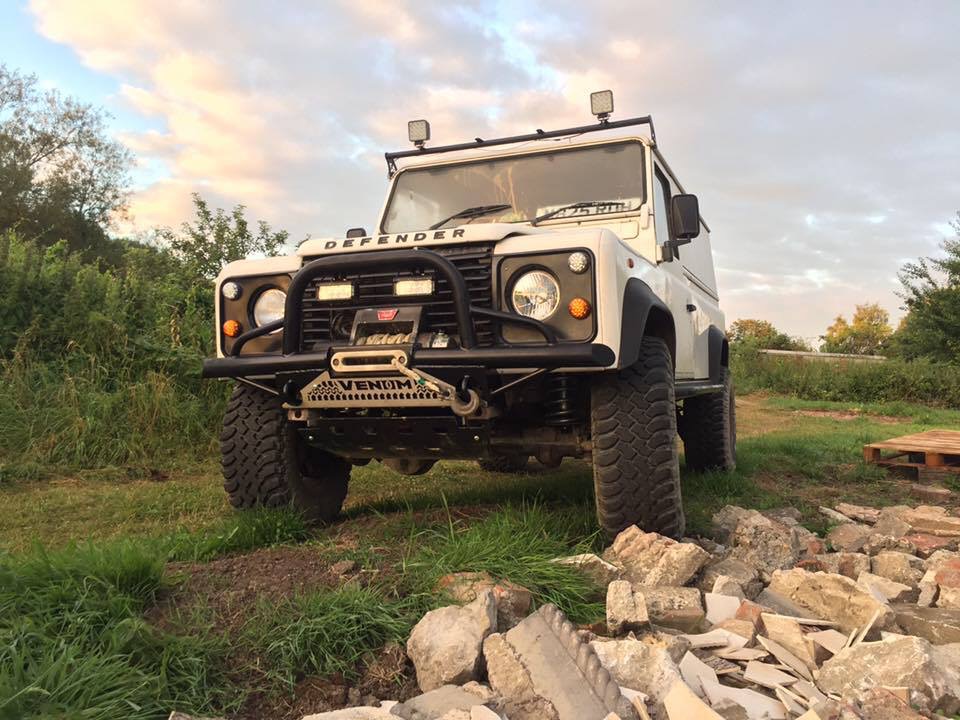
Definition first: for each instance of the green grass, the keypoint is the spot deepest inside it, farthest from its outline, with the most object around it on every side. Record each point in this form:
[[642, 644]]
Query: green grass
[[73, 638], [328, 632], [240, 533], [73, 632], [516, 543]]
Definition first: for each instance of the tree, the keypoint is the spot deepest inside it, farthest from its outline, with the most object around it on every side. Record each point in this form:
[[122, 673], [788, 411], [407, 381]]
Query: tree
[[931, 295], [866, 334], [217, 238], [61, 175], [761, 334]]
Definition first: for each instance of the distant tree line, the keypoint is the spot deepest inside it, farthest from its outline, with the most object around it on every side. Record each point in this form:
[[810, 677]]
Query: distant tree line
[[930, 330]]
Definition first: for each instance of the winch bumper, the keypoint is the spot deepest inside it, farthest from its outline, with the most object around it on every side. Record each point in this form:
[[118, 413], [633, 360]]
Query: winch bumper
[[581, 355], [551, 354]]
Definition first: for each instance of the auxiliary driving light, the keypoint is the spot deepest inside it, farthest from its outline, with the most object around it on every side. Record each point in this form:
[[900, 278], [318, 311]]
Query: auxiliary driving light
[[601, 104], [231, 328], [579, 308], [413, 286], [335, 291], [418, 131], [230, 290], [578, 262]]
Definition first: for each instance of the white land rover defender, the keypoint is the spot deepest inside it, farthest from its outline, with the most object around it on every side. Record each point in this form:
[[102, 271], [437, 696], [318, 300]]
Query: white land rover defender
[[548, 295]]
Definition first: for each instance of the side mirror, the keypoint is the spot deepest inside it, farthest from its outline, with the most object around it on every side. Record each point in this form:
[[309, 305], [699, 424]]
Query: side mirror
[[685, 217]]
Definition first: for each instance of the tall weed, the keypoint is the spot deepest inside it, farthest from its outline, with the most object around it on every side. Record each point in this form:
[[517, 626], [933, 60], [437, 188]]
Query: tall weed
[[847, 380]]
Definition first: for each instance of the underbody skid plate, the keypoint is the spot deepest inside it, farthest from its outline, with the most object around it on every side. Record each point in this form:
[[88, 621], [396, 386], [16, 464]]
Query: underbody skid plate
[[357, 382]]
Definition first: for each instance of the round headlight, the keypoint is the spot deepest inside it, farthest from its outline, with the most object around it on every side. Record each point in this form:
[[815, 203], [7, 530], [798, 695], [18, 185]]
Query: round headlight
[[269, 306], [536, 295]]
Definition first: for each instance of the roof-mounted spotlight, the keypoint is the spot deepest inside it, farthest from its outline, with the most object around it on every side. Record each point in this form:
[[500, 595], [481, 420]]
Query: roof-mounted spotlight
[[419, 132], [601, 104]]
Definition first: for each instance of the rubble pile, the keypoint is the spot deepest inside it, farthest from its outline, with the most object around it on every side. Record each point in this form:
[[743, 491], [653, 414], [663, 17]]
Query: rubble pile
[[766, 620]]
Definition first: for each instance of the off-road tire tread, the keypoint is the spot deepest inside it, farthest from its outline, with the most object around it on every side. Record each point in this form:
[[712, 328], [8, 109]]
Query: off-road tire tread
[[634, 430], [263, 467], [708, 427]]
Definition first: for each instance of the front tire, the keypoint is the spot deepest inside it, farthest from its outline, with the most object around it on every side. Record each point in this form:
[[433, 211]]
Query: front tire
[[266, 464], [636, 470], [708, 426]]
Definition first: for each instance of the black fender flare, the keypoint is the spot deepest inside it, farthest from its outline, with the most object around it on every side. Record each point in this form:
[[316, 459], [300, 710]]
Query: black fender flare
[[719, 352], [643, 313]]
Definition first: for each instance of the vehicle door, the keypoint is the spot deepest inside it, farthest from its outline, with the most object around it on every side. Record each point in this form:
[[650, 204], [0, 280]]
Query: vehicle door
[[679, 297]]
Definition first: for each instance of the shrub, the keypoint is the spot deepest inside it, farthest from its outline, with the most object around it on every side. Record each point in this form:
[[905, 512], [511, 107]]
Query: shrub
[[101, 366], [848, 380]]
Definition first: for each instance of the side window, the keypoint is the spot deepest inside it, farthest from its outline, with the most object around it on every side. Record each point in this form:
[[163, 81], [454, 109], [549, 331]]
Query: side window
[[661, 202]]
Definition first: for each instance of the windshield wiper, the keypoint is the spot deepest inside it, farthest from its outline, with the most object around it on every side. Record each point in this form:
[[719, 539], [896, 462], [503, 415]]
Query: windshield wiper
[[575, 206], [472, 212]]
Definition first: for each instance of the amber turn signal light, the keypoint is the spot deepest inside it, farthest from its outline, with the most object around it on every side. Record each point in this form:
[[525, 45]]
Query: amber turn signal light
[[231, 328], [579, 308]]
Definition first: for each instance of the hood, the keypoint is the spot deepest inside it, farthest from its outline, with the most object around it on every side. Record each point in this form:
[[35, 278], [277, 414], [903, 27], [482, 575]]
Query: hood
[[484, 232]]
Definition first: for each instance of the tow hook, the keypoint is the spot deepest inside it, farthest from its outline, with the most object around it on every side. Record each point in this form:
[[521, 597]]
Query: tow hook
[[462, 405]]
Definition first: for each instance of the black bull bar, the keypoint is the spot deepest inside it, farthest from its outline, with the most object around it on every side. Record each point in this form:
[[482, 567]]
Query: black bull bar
[[551, 354]]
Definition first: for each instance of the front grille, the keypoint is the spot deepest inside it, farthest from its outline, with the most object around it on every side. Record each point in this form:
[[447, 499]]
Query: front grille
[[325, 322]]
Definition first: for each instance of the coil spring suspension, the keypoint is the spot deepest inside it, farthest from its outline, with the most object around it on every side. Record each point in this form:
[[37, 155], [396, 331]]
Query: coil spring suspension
[[561, 395]]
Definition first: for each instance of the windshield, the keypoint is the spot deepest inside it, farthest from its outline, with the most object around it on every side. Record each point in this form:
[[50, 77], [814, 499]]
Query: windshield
[[596, 180]]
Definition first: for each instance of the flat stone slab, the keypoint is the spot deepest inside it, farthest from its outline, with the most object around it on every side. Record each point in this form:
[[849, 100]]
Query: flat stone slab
[[939, 626], [544, 671], [436, 703]]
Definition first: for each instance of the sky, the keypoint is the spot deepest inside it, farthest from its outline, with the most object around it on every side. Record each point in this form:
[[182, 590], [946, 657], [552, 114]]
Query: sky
[[822, 138]]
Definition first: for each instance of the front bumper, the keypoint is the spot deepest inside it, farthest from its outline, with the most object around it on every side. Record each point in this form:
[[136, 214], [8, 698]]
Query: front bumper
[[593, 355], [552, 354]]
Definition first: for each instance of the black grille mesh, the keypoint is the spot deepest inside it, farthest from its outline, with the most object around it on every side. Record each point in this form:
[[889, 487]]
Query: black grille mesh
[[325, 322]]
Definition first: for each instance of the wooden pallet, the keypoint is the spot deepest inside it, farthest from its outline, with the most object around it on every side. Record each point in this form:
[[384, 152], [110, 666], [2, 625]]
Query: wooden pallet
[[934, 453]]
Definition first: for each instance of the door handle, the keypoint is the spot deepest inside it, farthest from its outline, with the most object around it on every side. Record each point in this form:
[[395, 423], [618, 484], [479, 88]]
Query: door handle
[[691, 307]]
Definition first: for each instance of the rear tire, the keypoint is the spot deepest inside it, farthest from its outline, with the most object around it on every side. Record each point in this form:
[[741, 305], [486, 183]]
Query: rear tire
[[409, 466], [636, 471], [708, 426], [504, 463], [266, 464]]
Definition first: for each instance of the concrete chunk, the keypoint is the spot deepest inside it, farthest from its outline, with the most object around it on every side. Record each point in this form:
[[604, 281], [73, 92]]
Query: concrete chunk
[[626, 610], [891, 590], [939, 626], [860, 513], [910, 662], [675, 607], [650, 559], [727, 585], [900, 567], [932, 520], [437, 703], [543, 670], [445, 645], [739, 571], [593, 566], [849, 537], [721, 607], [648, 665], [850, 564], [832, 596]]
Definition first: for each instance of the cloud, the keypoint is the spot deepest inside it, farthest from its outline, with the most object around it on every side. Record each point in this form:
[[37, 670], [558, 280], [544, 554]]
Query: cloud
[[821, 138]]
